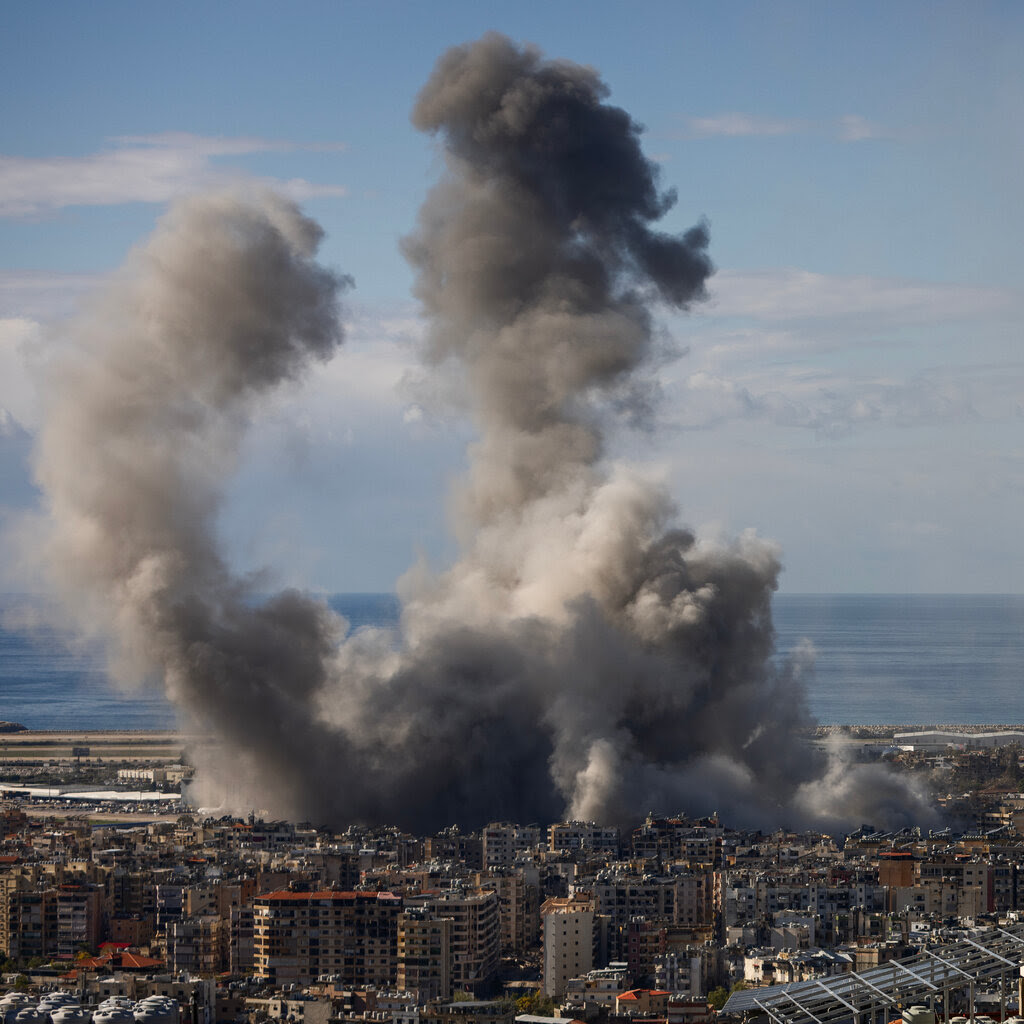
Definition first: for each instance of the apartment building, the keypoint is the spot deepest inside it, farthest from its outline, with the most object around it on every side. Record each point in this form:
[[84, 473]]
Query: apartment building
[[518, 904], [566, 836], [197, 945], [425, 953], [475, 935], [682, 900], [79, 919], [30, 920], [503, 842], [298, 936], [567, 927], [241, 940]]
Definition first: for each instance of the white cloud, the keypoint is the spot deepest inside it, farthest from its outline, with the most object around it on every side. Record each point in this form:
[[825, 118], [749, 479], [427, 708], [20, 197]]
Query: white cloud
[[854, 128], [735, 124], [829, 404], [217, 145], [790, 294], [42, 296], [139, 169], [836, 355]]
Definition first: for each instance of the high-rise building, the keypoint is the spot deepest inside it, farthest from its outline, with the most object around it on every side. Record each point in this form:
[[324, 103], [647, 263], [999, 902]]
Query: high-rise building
[[79, 918], [425, 953], [195, 945], [583, 835], [503, 842], [31, 923], [299, 936], [567, 925], [475, 935], [518, 905]]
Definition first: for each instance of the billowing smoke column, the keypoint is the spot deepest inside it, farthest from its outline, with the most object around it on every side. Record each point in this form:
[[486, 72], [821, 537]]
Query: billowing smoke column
[[582, 657], [144, 419]]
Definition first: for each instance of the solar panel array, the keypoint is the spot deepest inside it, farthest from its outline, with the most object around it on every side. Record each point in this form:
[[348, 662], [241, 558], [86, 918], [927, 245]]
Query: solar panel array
[[987, 954]]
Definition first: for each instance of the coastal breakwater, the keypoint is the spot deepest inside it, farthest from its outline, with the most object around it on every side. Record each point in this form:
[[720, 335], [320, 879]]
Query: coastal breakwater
[[106, 744]]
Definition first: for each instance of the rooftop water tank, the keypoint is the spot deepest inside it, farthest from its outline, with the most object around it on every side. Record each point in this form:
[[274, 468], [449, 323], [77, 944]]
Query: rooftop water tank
[[113, 1015], [30, 1015], [70, 1014], [156, 1013], [11, 1005], [15, 999], [56, 998]]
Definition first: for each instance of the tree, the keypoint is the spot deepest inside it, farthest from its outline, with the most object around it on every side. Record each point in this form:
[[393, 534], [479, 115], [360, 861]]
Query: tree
[[717, 997], [537, 1004]]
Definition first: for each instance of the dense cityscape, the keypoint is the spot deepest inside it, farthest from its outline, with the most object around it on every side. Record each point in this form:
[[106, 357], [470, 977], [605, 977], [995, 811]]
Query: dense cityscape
[[128, 893]]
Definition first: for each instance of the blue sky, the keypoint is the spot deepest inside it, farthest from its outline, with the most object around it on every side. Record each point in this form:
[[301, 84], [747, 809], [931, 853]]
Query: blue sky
[[853, 388]]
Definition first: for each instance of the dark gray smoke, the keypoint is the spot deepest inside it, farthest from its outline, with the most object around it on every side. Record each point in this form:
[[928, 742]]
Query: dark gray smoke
[[582, 656]]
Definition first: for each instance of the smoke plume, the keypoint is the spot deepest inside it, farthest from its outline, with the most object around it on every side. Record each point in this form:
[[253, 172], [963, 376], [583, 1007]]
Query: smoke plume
[[583, 656]]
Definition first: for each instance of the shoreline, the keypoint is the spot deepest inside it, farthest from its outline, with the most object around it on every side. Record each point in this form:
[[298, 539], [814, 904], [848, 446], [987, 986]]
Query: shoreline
[[24, 735], [882, 728]]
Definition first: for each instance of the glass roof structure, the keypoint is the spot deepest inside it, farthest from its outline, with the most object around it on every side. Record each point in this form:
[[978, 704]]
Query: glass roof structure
[[931, 975]]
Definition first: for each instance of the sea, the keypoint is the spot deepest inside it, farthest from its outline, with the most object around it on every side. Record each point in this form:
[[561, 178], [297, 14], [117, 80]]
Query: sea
[[878, 660]]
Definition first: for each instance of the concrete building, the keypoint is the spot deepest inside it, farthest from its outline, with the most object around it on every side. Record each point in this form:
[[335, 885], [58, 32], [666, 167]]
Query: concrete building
[[79, 919], [503, 842], [475, 935], [566, 836], [298, 936], [642, 1002], [31, 923], [425, 954], [170, 903], [568, 933], [196, 945], [241, 941], [518, 904], [684, 972], [685, 902], [645, 942], [595, 991]]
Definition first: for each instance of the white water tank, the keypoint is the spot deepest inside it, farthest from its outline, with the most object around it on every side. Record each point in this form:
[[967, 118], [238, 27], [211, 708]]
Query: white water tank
[[156, 1012], [117, 1002], [70, 1013], [30, 1015], [113, 1015], [56, 998], [15, 1001]]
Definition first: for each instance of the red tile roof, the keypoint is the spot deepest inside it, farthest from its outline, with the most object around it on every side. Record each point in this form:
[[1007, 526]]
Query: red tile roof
[[122, 959], [323, 894]]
